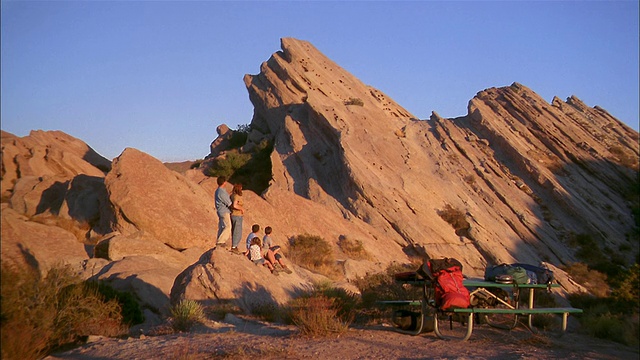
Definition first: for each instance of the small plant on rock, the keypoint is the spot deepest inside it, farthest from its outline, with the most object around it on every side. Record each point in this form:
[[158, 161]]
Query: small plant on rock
[[186, 314]]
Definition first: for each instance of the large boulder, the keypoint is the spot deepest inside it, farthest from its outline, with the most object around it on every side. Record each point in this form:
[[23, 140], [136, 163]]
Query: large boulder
[[117, 247], [147, 197], [220, 275], [39, 245], [82, 199], [149, 278]]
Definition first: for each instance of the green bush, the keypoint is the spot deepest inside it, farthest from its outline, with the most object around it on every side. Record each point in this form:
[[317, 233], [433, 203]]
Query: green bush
[[314, 253], [228, 165], [252, 170], [239, 137], [186, 314], [40, 314]]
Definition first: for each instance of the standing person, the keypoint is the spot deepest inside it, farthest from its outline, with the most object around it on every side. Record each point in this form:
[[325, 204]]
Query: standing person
[[237, 213], [272, 252], [223, 201]]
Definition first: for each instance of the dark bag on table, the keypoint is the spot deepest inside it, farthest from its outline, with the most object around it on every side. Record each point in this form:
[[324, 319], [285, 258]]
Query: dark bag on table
[[518, 274], [450, 291], [543, 275]]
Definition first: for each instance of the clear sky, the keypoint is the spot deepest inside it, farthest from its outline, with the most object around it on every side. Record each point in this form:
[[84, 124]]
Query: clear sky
[[160, 76]]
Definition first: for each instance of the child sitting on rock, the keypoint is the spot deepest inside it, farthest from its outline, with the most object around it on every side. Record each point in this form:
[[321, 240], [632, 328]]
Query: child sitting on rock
[[255, 253], [273, 251]]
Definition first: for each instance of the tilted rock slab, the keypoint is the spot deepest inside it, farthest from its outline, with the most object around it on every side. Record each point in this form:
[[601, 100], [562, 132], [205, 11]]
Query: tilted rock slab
[[149, 198], [505, 167]]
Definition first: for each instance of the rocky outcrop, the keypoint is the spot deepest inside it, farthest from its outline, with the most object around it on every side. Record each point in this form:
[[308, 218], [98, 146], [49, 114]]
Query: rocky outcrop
[[39, 245], [156, 202], [221, 275], [47, 153], [525, 175], [516, 179]]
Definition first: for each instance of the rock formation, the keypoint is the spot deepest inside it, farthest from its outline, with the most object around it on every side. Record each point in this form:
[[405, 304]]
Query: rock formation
[[516, 179], [525, 175]]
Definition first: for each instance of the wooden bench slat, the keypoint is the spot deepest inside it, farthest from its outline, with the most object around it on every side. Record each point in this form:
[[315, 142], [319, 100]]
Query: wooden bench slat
[[400, 302], [519, 311]]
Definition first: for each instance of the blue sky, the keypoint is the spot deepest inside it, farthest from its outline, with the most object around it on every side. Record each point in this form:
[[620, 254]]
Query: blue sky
[[160, 76]]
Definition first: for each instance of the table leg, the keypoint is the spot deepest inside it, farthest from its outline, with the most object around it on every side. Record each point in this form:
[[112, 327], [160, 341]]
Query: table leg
[[531, 294]]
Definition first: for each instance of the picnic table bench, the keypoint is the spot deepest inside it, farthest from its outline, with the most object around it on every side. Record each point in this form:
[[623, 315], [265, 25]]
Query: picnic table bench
[[463, 319]]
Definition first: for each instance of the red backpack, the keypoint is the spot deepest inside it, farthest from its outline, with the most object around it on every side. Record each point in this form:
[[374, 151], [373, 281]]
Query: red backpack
[[449, 289]]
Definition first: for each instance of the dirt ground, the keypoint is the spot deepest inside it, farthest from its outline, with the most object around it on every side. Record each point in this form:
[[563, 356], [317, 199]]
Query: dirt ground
[[244, 338]]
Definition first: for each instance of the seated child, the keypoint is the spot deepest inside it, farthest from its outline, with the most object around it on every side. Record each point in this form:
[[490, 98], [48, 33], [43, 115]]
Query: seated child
[[255, 253], [273, 251]]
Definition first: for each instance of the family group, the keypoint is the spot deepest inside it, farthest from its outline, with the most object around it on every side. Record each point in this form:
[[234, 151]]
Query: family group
[[230, 212]]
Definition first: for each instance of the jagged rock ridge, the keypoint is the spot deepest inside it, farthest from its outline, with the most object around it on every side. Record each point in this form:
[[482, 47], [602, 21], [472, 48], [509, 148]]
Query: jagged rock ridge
[[526, 174]]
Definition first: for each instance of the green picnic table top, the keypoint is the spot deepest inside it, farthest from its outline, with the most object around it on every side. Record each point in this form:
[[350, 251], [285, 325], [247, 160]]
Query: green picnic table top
[[491, 284]]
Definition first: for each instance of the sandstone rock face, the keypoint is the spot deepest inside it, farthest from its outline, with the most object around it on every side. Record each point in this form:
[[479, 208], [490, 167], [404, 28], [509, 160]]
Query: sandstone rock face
[[147, 277], [38, 245], [52, 153], [159, 203], [525, 175], [221, 275]]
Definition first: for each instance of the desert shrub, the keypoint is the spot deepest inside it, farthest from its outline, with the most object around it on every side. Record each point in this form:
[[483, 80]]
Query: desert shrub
[[226, 166], [593, 280], [354, 101], [314, 253], [455, 218], [353, 248], [317, 316], [131, 312], [626, 287], [186, 314], [239, 136], [196, 164], [382, 286], [611, 315], [345, 301], [252, 170], [40, 314], [256, 173], [267, 311]]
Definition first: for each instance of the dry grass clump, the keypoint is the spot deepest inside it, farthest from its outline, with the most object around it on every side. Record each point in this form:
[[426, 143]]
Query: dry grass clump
[[315, 254], [317, 316], [40, 314], [455, 218], [323, 312], [353, 248]]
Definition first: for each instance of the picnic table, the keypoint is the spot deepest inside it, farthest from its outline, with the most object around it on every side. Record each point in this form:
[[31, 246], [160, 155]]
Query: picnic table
[[495, 303]]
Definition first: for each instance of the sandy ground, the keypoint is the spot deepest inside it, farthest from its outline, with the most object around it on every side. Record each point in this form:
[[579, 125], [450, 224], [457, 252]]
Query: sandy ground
[[247, 338]]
